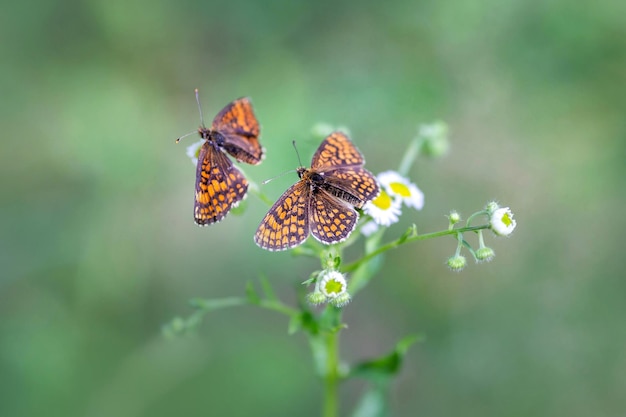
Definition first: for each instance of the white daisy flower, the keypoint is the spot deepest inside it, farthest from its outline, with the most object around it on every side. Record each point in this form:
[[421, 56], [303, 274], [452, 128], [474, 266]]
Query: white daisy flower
[[193, 151], [333, 284], [401, 188], [383, 209], [502, 222]]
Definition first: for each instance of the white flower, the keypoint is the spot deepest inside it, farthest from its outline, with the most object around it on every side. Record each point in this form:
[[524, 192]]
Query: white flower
[[401, 188], [383, 209], [333, 284], [502, 222], [193, 150]]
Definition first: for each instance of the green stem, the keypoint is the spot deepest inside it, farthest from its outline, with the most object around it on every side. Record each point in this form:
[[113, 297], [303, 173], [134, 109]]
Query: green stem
[[411, 155], [401, 240], [331, 378]]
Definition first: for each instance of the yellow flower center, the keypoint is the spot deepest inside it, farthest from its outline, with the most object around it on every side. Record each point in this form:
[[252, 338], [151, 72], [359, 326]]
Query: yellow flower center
[[333, 287], [383, 201], [506, 219], [400, 189]]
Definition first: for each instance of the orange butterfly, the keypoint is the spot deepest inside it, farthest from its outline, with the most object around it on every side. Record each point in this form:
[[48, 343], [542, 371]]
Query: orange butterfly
[[322, 202], [219, 184]]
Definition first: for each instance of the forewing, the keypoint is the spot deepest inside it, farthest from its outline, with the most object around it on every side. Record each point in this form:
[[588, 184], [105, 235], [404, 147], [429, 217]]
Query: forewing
[[336, 150], [355, 185], [243, 148], [219, 186], [331, 219], [287, 223], [240, 128]]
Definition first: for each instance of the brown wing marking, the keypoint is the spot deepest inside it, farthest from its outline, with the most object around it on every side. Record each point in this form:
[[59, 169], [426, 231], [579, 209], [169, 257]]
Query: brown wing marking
[[286, 224], [336, 150], [331, 220], [219, 186]]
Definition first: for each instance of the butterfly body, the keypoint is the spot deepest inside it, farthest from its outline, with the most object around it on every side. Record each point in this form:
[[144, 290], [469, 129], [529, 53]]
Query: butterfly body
[[220, 186], [323, 202]]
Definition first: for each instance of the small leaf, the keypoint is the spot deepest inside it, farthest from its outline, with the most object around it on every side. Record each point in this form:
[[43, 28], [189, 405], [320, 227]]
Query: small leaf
[[268, 291], [314, 275], [295, 324], [251, 294], [387, 365], [410, 232], [309, 323]]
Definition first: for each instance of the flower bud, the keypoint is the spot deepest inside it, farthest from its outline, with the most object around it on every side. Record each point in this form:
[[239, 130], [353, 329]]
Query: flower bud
[[457, 262]]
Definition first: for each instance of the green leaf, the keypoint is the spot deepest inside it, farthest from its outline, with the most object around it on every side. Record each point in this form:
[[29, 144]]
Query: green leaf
[[410, 232], [309, 323], [268, 291], [295, 324], [387, 365], [251, 294]]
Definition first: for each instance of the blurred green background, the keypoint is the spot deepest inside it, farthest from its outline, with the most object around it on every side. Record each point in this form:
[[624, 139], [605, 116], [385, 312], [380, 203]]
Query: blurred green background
[[99, 250]]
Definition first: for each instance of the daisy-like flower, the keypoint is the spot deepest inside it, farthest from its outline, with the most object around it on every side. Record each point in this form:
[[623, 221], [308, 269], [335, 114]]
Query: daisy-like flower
[[402, 189], [502, 222], [383, 209], [333, 284], [330, 287], [193, 151]]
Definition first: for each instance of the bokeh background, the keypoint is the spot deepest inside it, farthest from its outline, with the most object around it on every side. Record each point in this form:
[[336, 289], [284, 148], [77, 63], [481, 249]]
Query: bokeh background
[[98, 247]]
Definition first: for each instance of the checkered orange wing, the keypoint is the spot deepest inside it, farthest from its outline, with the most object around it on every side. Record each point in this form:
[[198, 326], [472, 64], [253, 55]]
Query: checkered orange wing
[[353, 184], [331, 219], [336, 150], [287, 223], [240, 129], [219, 185]]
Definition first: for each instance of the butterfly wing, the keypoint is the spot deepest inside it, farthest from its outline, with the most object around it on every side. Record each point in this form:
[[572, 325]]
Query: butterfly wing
[[336, 150], [331, 219], [219, 185], [354, 184], [240, 129], [286, 224]]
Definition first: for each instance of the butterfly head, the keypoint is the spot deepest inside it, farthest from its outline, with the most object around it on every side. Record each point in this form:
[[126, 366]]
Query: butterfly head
[[313, 177]]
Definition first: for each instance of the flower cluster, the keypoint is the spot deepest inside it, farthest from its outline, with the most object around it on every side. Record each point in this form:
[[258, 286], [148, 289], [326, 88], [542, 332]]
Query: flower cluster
[[501, 223], [387, 207]]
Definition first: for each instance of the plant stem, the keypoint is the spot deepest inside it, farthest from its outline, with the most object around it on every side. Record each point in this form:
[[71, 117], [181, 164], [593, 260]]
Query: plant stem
[[331, 378], [400, 241]]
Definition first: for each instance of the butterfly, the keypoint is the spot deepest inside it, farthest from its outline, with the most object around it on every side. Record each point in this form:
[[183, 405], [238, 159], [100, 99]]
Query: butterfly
[[323, 202], [220, 186]]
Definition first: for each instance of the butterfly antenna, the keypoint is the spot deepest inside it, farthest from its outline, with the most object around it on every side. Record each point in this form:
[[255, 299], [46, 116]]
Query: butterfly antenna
[[199, 107], [201, 117], [297, 153], [277, 176], [184, 136]]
